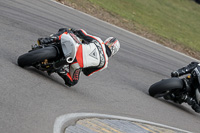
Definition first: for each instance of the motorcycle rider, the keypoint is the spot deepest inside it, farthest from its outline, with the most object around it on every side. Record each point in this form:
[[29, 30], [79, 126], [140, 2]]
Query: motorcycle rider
[[193, 101], [91, 54]]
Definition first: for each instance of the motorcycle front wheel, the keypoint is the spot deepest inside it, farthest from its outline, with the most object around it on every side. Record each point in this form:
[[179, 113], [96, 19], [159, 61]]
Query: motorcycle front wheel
[[162, 87], [37, 56]]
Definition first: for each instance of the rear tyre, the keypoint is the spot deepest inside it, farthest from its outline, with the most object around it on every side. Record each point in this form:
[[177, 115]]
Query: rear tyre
[[162, 87], [36, 56]]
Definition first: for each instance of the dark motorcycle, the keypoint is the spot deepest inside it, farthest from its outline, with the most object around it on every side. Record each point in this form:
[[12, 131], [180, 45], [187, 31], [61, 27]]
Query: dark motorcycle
[[179, 90], [51, 57]]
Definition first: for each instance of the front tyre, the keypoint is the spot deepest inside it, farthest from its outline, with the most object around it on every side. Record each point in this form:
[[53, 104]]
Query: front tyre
[[37, 56], [162, 87]]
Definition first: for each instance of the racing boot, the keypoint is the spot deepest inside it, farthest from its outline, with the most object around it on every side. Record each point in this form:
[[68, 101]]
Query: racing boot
[[63, 73], [195, 106]]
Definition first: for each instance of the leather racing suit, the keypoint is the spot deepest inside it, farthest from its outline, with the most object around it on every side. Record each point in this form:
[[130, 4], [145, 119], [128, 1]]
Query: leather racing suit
[[91, 56]]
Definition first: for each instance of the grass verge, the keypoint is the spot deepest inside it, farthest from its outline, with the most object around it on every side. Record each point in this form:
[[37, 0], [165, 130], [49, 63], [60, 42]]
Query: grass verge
[[174, 24]]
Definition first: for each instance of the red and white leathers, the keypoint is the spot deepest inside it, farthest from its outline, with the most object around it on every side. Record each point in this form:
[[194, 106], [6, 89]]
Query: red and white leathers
[[90, 57]]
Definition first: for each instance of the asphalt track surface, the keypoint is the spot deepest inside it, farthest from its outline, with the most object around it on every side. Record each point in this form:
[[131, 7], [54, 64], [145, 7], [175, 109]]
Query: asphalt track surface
[[30, 100]]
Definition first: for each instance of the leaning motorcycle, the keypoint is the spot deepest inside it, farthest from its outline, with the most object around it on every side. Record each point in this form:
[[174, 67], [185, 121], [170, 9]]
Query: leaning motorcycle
[[179, 90], [51, 57]]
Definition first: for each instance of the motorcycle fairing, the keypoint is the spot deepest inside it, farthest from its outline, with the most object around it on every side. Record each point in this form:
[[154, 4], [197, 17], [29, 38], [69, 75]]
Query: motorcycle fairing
[[68, 47]]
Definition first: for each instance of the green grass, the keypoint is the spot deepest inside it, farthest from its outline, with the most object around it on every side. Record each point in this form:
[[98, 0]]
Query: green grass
[[176, 20]]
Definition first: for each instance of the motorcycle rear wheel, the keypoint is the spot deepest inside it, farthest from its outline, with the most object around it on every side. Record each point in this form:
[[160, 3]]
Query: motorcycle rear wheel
[[37, 56], [162, 87]]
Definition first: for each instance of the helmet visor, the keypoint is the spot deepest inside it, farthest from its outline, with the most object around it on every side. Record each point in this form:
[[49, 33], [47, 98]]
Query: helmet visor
[[111, 42]]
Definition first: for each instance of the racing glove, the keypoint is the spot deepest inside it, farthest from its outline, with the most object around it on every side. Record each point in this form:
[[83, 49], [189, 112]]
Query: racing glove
[[196, 108], [47, 40], [174, 74], [185, 70], [73, 30]]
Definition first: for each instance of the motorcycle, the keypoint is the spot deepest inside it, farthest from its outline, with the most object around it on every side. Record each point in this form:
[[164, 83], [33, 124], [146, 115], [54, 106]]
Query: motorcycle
[[179, 90], [51, 57]]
